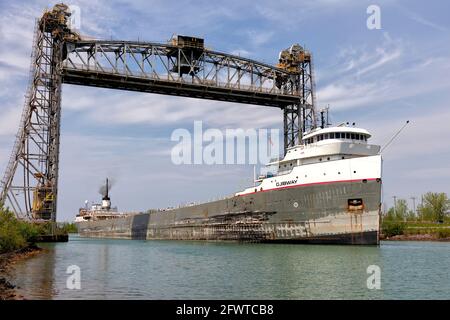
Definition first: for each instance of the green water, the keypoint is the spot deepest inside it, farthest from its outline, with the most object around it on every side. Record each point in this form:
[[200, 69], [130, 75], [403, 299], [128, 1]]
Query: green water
[[125, 269]]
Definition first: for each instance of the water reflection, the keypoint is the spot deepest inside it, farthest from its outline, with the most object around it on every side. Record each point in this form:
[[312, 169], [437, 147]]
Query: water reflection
[[121, 269], [34, 277]]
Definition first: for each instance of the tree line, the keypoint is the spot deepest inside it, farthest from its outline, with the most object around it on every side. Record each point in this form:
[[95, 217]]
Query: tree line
[[433, 208]]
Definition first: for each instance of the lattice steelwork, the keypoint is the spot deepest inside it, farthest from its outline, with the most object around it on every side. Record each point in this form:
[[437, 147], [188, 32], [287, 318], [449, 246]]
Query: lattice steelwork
[[30, 182], [183, 67]]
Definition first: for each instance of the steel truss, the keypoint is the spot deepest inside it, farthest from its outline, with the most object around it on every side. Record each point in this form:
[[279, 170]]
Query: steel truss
[[183, 67]]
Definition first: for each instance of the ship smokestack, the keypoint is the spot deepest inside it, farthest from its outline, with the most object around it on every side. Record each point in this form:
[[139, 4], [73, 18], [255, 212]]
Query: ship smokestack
[[106, 203], [106, 197]]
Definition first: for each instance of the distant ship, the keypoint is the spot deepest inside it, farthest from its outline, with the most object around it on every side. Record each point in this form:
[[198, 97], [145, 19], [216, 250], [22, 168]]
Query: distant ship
[[327, 190], [99, 211]]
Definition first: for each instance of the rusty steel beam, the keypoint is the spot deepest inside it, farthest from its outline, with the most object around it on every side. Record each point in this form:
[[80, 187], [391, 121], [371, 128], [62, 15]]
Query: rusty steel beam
[[182, 67]]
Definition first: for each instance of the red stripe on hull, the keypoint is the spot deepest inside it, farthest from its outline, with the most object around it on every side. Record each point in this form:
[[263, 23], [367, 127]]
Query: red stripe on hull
[[307, 184]]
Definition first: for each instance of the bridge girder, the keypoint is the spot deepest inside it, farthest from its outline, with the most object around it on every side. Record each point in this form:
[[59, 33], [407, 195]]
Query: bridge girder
[[180, 68]]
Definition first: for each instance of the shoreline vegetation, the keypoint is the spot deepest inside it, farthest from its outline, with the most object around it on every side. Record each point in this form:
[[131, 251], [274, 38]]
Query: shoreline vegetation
[[18, 241], [7, 261], [430, 222]]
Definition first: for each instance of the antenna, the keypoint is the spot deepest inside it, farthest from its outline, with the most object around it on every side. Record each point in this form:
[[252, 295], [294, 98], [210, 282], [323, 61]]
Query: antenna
[[324, 117], [395, 136]]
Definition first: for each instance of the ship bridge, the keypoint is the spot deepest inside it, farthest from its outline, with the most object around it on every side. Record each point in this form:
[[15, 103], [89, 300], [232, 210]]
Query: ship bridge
[[327, 144]]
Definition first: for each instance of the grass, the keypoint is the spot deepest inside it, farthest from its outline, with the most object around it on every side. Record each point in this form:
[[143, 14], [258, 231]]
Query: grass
[[68, 227], [392, 228]]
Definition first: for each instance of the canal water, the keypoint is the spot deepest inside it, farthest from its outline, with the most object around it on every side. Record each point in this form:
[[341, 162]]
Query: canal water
[[132, 269]]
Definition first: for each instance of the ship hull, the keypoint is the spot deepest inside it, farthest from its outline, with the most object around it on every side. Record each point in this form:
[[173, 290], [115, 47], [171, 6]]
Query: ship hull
[[342, 212]]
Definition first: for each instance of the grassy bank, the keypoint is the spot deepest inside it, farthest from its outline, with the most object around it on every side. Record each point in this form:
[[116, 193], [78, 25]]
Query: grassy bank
[[16, 234], [416, 230], [17, 241], [431, 220]]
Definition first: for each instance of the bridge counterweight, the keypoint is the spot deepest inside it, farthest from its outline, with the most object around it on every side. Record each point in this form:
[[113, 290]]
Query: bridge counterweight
[[184, 67]]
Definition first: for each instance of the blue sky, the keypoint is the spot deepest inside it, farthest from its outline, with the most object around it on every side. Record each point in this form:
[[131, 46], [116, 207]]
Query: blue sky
[[376, 78]]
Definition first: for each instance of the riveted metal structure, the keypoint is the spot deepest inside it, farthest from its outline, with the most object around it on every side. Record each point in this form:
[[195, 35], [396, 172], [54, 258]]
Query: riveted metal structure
[[182, 67], [30, 182]]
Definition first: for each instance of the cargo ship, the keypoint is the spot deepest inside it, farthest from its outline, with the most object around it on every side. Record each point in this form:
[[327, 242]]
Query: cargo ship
[[327, 189]]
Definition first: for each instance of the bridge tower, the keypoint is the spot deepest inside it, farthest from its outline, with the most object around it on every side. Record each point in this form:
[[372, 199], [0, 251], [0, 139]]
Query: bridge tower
[[184, 67], [298, 117], [30, 182]]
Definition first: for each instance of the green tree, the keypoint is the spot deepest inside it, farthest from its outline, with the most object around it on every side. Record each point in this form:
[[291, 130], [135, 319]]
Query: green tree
[[434, 207], [399, 212]]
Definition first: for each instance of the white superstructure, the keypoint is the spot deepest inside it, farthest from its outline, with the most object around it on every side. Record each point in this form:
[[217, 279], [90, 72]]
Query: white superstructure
[[327, 155]]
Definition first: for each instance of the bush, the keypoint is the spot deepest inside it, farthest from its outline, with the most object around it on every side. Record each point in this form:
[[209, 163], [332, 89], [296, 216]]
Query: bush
[[444, 233], [68, 228], [15, 234], [392, 228]]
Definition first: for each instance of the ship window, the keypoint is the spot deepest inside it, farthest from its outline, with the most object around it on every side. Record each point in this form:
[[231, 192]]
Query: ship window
[[328, 158], [326, 136], [353, 136], [338, 135], [347, 135], [320, 159], [332, 135]]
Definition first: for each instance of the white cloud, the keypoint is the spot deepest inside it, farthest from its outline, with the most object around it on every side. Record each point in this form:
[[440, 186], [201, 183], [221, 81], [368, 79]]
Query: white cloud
[[365, 76], [369, 74], [422, 20], [107, 107], [9, 121]]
